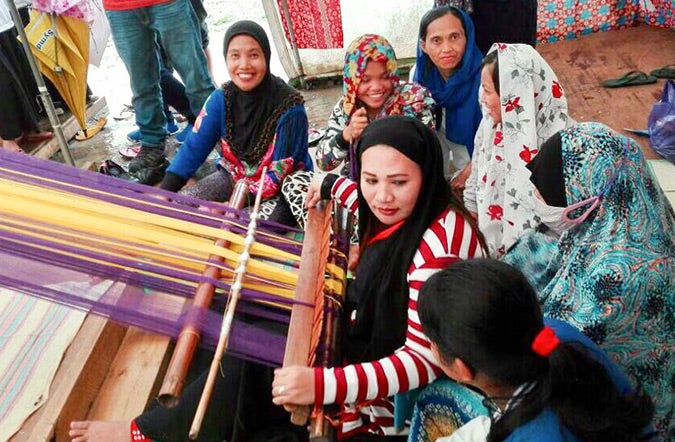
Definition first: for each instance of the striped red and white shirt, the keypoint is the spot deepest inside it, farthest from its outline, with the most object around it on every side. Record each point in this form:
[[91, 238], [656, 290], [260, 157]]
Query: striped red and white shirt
[[365, 388]]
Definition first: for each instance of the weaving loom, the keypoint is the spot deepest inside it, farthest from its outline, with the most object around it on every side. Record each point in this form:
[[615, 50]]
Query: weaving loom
[[59, 223]]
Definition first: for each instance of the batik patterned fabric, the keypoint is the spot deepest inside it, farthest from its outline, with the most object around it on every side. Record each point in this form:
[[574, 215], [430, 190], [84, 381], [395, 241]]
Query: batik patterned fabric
[[533, 107], [317, 24], [613, 276], [564, 19], [441, 408]]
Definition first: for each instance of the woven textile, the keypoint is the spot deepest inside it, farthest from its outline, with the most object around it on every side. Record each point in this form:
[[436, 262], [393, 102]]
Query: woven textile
[[564, 19], [317, 24]]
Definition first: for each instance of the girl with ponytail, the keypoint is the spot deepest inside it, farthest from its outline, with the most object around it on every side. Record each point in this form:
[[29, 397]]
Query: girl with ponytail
[[542, 379]]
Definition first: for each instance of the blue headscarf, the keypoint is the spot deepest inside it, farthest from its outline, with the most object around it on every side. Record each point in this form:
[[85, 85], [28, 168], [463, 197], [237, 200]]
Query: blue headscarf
[[459, 94], [612, 276]]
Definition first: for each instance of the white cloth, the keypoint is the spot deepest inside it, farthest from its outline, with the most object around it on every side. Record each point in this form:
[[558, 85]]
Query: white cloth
[[476, 430], [5, 18], [533, 108]]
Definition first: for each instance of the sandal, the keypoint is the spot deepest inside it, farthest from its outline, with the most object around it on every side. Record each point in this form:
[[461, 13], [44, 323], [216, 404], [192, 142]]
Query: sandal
[[92, 130], [126, 111], [668, 71], [632, 78], [129, 151]]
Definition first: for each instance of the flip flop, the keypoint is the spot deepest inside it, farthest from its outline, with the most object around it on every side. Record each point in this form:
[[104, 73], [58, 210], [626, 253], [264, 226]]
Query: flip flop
[[632, 78], [668, 71], [129, 151], [126, 111], [92, 130]]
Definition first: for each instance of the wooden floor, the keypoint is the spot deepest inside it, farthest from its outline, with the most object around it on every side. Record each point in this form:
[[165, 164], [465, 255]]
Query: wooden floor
[[582, 65]]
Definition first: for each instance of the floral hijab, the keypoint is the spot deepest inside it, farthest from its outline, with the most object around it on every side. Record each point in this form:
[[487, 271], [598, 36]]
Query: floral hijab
[[533, 107], [613, 276]]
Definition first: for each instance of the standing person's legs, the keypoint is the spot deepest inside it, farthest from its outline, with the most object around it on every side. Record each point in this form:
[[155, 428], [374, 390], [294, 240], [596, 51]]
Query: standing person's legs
[[135, 43], [179, 31]]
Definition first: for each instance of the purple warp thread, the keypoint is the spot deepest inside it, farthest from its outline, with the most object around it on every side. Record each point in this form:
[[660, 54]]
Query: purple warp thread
[[39, 267]]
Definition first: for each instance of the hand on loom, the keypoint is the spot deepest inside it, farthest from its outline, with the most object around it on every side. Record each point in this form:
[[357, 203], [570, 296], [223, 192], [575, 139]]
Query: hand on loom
[[314, 192], [293, 386]]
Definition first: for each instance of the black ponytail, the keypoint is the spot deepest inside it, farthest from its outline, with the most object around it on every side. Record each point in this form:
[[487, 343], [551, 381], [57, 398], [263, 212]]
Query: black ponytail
[[486, 313]]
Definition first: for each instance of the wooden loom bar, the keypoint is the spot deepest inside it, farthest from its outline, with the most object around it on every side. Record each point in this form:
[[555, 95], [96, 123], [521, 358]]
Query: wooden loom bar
[[188, 339], [310, 286]]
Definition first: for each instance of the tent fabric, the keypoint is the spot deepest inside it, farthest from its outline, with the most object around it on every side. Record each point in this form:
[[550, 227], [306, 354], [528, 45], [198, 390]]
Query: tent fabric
[[317, 24], [565, 19]]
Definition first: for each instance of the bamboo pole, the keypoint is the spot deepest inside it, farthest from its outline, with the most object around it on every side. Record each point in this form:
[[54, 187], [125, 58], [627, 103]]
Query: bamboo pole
[[228, 318], [174, 379]]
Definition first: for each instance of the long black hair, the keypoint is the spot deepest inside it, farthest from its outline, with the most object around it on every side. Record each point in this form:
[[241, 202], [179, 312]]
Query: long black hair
[[380, 290], [486, 313], [436, 13]]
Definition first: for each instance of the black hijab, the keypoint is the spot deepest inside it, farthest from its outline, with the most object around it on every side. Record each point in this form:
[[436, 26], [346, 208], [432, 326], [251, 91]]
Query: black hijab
[[547, 172], [380, 291], [252, 116]]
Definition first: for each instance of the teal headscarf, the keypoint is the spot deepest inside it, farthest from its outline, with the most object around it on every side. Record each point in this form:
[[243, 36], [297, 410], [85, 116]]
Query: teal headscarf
[[613, 276]]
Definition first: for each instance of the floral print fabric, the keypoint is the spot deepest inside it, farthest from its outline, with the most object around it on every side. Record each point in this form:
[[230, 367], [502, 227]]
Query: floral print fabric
[[613, 276], [533, 107]]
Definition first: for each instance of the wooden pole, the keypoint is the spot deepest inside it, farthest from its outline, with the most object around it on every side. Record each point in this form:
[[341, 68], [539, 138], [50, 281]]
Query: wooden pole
[[313, 259], [228, 318], [174, 379]]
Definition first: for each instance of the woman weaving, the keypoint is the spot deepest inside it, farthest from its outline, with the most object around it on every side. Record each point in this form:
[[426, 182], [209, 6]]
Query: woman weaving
[[425, 234], [411, 226], [258, 119]]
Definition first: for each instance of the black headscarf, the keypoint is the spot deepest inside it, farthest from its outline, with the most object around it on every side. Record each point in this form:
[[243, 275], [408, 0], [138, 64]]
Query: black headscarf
[[252, 116], [380, 290], [547, 172]]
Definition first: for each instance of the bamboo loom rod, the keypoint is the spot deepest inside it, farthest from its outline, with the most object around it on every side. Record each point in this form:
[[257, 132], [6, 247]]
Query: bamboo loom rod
[[315, 248], [228, 318], [188, 339]]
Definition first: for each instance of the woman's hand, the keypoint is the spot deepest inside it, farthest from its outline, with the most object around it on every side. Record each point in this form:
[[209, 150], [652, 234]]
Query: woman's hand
[[293, 386], [314, 192], [357, 123], [459, 182]]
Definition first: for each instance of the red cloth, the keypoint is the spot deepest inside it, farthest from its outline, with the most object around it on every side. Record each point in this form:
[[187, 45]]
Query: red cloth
[[317, 24], [123, 5]]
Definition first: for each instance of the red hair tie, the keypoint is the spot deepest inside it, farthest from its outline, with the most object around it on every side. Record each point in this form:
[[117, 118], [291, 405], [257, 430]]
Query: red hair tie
[[545, 342]]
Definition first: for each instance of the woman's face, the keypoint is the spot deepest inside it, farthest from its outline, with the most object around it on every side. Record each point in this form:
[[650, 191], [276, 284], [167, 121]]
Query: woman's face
[[375, 86], [245, 61], [445, 43], [489, 96], [390, 183]]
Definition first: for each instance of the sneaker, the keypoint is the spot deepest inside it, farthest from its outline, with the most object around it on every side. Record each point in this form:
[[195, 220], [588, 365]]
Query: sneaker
[[182, 135], [172, 127], [135, 135], [148, 157]]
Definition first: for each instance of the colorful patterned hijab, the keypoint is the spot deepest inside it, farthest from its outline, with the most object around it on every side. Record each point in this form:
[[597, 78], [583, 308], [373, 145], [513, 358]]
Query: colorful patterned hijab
[[406, 99], [459, 94], [613, 276], [533, 108]]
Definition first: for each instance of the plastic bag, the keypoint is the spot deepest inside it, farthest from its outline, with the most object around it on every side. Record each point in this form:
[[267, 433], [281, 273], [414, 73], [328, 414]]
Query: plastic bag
[[661, 123]]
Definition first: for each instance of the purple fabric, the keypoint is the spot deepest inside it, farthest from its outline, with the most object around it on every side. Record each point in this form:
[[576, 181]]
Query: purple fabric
[[42, 267]]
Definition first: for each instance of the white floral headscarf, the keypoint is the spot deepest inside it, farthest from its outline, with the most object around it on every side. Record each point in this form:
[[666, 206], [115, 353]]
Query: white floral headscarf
[[533, 107]]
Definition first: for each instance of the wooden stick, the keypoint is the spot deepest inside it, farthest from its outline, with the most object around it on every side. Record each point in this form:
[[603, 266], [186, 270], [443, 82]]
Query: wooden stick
[[174, 379], [310, 285], [228, 318]]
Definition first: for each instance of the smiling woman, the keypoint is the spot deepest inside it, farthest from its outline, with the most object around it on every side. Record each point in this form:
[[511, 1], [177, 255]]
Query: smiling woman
[[257, 120]]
